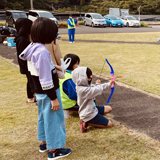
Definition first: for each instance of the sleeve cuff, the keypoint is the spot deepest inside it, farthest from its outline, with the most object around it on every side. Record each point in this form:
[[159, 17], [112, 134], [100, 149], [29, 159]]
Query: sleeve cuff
[[51, 93]]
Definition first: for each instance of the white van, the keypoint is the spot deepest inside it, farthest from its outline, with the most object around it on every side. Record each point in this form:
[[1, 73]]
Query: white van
[[34, 14], [94, 19]]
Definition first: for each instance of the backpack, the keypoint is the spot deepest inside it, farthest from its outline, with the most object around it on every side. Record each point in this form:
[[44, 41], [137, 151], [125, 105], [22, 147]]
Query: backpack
[[4, 30]]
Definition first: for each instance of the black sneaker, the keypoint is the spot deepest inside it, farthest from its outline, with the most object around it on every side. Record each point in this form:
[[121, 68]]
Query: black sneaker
[[42, 148], [59, 153]]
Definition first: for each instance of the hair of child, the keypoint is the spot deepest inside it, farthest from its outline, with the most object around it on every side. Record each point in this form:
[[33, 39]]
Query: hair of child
[[43, 30], [74, 60], [88, 72], [23, 26]]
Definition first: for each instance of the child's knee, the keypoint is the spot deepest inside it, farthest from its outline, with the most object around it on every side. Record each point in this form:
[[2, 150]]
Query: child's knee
[[107, 109], [109, 124]]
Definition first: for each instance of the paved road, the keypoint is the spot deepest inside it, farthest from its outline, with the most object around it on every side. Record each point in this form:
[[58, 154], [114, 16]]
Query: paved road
[[87, 29]]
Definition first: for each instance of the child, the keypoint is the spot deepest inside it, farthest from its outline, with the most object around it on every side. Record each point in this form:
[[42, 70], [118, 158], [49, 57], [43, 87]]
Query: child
[[45, 83], [89, 113], [68, 87], [23, 27]]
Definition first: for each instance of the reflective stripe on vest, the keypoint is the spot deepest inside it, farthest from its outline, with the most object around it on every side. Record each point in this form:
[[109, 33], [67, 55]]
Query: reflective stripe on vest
[[72, 23], [66, 101]]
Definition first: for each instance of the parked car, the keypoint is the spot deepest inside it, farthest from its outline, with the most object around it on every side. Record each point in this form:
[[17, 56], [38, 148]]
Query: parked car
[[27, 14], [34, 14], [94, 19], [130, 21], [112, 20], [12, 16], [2, 15]]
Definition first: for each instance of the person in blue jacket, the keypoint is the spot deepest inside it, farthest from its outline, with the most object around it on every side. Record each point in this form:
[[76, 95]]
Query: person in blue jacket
[[71, 28], [68, 87]]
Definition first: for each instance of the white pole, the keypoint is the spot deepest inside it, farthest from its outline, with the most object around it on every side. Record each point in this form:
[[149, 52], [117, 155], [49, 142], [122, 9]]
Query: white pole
[[139, 12], [31, 1]]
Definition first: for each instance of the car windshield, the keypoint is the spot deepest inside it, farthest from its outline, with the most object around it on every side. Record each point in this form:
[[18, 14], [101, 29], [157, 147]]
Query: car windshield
[[46, 14], [114, 18], [131, 18], [97, 16], [19, 15]]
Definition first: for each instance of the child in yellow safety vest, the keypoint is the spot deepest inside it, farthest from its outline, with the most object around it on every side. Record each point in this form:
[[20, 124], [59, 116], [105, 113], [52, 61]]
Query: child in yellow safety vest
[[71, 28], [68, 87]]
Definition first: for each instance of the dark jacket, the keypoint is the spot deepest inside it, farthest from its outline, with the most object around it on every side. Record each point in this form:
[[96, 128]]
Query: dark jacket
[[21, 43], [42, 74]]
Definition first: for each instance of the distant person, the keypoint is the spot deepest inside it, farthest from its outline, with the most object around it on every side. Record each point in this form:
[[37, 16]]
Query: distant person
[[22, 40], [45, 83], [68, 87], [71, 28], [89, 113]]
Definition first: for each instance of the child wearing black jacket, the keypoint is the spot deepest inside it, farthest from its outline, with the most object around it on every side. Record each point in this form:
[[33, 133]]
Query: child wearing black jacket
[[22, 40]]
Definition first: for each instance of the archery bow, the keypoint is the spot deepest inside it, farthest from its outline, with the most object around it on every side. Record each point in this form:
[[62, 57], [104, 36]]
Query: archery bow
[[113, 78]]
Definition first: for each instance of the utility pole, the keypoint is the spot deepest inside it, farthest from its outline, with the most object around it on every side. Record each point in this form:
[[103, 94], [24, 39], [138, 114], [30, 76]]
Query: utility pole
[[31, 1], [139, 12]]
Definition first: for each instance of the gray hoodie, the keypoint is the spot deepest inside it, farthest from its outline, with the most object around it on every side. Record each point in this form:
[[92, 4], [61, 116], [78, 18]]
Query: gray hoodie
[[86, 93]]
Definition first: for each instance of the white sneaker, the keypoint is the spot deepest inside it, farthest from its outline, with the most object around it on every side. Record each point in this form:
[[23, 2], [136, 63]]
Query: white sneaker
[[70, 42], [73, 42]]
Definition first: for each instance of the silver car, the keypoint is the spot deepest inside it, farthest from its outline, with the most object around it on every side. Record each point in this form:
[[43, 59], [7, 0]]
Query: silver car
[[34, 14], [94, 19]]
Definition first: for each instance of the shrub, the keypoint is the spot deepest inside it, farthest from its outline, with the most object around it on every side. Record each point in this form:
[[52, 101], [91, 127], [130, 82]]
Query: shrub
[[81, 22], [143, 24], [62, 25], [2, 23]]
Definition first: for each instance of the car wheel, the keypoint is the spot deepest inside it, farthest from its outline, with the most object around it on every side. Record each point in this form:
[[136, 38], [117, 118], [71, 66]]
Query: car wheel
[[85, 23], [127, 24], [7, 24], [92, 24], [110, 24], [13, 25]]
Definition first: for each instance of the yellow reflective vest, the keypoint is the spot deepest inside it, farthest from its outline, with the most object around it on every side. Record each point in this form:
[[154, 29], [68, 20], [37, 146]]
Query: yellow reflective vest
[[66, 101], [72, 23]]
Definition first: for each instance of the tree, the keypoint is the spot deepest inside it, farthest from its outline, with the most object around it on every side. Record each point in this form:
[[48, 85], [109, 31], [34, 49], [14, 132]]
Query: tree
[[82, 2], [17, 6], [2, 4]]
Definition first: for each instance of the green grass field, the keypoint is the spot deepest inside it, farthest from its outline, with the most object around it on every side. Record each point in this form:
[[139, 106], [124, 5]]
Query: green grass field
[[138, 63], [18, 121]]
